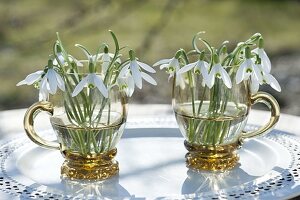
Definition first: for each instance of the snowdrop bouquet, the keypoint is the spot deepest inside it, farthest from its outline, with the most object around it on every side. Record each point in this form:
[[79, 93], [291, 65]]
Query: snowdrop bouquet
[[112, 71], [212, 87], [92, 100]]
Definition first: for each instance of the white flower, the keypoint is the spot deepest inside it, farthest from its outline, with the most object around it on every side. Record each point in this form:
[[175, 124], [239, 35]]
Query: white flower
[[44, 89], [54, 81], [125, 82], [218, 71], [265, 61], [267, 78], [200, 67], [49, 82], [247, 69], [135, 68], [60, 59], [32, 78], [172, 66], [93, 79], [105, 59]]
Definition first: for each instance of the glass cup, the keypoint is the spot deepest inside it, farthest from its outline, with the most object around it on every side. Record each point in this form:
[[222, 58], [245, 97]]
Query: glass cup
[[212, 121], [88, 128]]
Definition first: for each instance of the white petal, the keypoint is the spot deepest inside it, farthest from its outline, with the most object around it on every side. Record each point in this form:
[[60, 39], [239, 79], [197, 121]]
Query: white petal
[[225, 77], [43, 95], [31, 78], [273, 82], [60, 82], [163, 61], [180, 81], [257, 73], [124, 71], [23, 82], [146, 67], [206, 78], [265, 61], [164, 66], [205, 64], [52, 81], [130, 86], [106, 58], [105, 66], [100, 85], [134, 68], [240, 74], [187, 68], [80, 86], [211, 78], [148, 78], [174, 63], [203, 68], [43, 92], [254, 86]]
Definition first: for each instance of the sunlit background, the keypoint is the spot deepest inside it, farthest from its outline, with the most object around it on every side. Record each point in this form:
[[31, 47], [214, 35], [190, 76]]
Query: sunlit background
[[155, 29]]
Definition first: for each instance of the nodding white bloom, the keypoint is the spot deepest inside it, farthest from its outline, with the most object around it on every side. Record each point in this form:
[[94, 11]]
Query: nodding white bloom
[[105, 59], [54, 81], [218, 71], [91, 80], [32, 78], [136, 71], [265, 61], [248, 69], [125, 82], [60, 59], [172, 66], [200, 67], [267, 78], [48, 81]]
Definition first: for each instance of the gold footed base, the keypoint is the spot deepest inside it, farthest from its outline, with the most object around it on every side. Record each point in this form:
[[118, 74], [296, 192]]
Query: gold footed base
[[90, 167], [211, 158]]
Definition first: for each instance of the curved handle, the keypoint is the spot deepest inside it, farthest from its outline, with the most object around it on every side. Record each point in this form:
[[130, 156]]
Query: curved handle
[[270, 101], [29, 124]]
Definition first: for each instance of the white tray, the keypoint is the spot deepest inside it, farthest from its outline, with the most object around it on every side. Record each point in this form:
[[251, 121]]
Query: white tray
[[152, 165]]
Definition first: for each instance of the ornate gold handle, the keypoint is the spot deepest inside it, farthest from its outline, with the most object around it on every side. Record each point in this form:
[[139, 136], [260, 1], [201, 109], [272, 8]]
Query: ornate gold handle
[[270, 101], [29, 124]]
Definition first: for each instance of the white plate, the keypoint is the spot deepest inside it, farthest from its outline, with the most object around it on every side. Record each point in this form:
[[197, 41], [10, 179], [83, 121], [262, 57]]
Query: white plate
[[152, 166]]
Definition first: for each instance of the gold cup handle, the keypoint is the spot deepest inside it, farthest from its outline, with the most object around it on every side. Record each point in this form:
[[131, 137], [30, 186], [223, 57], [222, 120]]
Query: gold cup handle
[[29, 124], [270, 101]]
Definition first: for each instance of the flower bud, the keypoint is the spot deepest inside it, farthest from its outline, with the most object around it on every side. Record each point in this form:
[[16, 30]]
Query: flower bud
[[247, 52], [131, 55], [105, 49], [216, 58], [261, 43]]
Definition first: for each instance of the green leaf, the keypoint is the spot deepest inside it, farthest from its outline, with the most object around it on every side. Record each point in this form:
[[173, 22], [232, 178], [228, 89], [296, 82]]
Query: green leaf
[[84, 49]]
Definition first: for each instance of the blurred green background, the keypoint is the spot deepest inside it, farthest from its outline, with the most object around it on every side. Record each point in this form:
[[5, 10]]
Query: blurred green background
[[155, 29]]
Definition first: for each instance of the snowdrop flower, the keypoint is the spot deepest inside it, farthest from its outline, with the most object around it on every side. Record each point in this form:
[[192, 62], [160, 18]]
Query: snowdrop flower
[[172, 66], [48, 81], [267, 78], [54, 81], [218, 71], [93, 80], [137, 74], [247, 69], [125, 81], [105, 58], [32, 78], [200, 67], [265, 61]]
